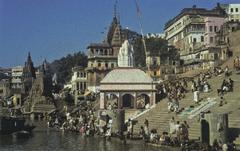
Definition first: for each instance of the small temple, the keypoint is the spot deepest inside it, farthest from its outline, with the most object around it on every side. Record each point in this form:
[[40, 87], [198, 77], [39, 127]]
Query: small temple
[[127, 86]]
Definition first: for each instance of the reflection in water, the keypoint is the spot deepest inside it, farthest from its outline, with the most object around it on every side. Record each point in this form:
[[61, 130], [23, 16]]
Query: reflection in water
[[46, 140]]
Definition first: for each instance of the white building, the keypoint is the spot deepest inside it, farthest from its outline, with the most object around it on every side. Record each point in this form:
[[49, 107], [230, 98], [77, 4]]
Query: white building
[[78, 82], [17, 81], [233, 11]]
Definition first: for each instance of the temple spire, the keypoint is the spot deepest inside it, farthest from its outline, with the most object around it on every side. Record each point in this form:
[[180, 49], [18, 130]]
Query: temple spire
[[115, 9]]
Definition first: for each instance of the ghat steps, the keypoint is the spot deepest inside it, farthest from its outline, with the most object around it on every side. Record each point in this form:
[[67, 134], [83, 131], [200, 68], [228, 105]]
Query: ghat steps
[[159, 117]]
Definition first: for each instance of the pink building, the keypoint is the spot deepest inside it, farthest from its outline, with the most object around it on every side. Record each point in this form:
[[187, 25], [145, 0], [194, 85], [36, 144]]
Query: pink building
[[212, 26]]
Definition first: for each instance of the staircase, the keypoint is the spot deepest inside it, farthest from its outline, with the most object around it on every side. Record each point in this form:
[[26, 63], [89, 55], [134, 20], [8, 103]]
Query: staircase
[[159, 117], [43, 108]]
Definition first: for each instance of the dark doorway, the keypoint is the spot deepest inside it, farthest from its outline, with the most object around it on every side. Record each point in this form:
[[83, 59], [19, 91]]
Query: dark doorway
[[205, 131], [127, 101]]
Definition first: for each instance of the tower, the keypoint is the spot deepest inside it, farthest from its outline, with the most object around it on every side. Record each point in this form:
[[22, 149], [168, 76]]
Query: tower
[[29, 68], [125, 55]]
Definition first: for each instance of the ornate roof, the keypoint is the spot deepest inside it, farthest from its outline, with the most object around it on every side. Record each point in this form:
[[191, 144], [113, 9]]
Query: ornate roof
[[127, 75]]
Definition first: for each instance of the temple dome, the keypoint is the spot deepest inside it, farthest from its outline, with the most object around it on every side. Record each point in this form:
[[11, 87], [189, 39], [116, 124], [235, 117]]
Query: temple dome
[[127, 75]]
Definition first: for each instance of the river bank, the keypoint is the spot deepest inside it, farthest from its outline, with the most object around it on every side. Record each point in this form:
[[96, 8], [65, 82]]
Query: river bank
[[48, 139]]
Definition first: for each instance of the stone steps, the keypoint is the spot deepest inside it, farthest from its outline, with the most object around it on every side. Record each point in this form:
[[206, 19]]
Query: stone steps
[[159, 117], [43, 108]]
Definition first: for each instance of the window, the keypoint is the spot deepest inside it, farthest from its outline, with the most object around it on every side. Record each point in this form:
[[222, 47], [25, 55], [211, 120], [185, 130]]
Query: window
[[210, 29], [194, 40], [99, 64], [84, 74], [236, 9], [215, 28], [106, 65], [202, 39], [154, 62], [77, 74], [97, 52], [231, 9], [81, 86], [155, 73], [101, 51], [105, 52], [211, 39], [112, 65]]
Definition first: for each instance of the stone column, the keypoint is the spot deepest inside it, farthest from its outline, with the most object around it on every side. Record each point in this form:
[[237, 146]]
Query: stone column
[[153, 97], [120, 101], [218, 127], [102, 100], [135, 101]]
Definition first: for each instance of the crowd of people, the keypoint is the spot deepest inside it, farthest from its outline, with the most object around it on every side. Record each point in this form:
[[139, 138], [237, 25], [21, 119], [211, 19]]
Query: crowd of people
[[174, 91], [83, 120], [177, 135]]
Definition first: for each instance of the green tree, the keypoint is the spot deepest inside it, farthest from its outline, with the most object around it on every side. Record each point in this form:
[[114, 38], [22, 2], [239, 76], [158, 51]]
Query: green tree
[[63, 67], [153, 45]]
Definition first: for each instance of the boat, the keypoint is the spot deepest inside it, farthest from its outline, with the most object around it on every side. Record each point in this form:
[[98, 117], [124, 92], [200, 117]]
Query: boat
[[9, 125], [22, 134]]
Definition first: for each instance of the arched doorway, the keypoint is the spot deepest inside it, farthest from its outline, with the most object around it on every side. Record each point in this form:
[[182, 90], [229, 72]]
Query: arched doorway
[[142, 101], [112, 100], [127, 101], [205, 132]]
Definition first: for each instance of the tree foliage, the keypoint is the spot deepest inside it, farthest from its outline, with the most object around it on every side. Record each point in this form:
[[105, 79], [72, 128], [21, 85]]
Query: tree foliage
[[153, 46], [63, 67]]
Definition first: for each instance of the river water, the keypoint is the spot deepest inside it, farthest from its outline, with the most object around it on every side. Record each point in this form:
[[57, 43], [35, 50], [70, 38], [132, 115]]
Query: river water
[[52, 140]]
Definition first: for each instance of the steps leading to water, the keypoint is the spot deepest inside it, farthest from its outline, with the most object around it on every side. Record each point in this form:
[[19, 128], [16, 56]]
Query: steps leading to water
[[159, 117]]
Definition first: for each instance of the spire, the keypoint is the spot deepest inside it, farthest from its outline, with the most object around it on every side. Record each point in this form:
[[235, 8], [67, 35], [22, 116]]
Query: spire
[[115, 9], [29, 66], [29, 59]]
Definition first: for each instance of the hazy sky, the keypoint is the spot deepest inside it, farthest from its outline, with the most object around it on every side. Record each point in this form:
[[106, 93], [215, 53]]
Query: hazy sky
[[53, 28]]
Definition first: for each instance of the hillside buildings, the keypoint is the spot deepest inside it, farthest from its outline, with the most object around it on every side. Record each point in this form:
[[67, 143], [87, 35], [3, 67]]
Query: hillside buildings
[[17, 81], [193, 31], [5, 88], [78, 83], [233, 12]]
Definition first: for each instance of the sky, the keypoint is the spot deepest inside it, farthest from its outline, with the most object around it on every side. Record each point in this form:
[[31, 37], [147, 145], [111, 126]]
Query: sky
[[51, 29]]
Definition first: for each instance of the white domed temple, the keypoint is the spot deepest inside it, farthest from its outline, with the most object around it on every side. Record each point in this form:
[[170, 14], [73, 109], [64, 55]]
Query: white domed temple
[[130, 87]]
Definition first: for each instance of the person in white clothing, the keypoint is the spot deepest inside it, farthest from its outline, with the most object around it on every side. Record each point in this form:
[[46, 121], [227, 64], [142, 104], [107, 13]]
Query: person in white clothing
[[196, 96]]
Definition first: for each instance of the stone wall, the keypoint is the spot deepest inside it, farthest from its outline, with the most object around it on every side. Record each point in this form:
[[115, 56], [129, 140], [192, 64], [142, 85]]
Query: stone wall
[[234, 41]]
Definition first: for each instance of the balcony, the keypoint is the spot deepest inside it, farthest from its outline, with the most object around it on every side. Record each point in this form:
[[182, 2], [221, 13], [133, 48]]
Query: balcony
[[91, 55]]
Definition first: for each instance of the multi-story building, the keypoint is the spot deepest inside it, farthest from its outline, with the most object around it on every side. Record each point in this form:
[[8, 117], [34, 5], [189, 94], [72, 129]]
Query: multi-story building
[[212, 27], [79, 82], [155, 35], [194, 30], [102, 57], [4, 88], [17, 81], [233, 11], [162, 63]]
